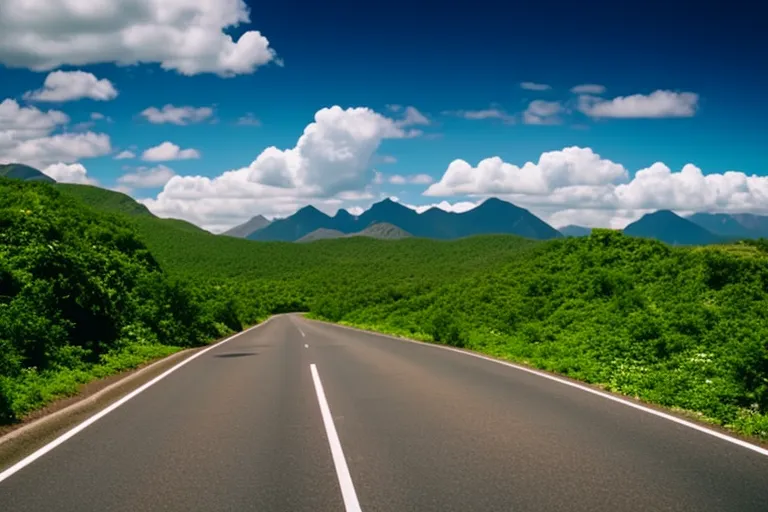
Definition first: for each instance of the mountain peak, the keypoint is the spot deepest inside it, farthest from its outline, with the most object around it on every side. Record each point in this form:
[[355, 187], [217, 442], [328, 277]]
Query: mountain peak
[[342, 214], [248, 228], [671, 228], [497, 204]]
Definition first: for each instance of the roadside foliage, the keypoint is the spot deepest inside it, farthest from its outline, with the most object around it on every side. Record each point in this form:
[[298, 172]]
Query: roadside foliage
[[85, 293]]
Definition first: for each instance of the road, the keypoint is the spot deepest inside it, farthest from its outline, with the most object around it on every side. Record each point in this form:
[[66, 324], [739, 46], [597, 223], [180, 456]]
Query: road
[[241, 428]]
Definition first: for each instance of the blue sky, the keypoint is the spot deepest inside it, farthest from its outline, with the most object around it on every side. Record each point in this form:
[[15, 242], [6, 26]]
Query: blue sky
[[683, 84]]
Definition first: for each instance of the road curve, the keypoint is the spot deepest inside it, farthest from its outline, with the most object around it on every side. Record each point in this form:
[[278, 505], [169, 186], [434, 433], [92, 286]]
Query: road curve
[[242, 428]]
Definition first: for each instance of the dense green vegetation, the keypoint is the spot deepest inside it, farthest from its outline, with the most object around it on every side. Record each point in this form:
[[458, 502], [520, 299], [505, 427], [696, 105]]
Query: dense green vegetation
[[682, 327], [81, 297]]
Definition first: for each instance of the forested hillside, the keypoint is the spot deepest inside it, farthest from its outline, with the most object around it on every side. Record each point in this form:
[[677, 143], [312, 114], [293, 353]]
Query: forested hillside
[[682, 327]]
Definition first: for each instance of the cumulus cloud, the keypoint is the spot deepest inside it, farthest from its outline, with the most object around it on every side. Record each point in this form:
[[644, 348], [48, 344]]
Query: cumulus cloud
[[577, 186], [414, 179], [169, 151], [328, 166], [533, 86], [177, 115], [689, 189], [69, 173], [555, 169], [588, 89], [61, 86], [27, 136], [188, 36], [147, 177], [658, 104], [125, 155], [543, 112]]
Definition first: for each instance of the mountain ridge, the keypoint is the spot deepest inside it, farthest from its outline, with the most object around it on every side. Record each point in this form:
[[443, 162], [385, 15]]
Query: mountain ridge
[[668, 227], [493, 216]]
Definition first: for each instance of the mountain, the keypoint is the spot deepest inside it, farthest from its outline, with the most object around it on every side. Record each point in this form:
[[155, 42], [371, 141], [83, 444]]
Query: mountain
[[23, 172], [491, 217], [393, 213], [572, 230], [722, 224], [669, 227], [381, 231], [756, 224], [292, 228], [248, 228], [495, 216], [321, 234]]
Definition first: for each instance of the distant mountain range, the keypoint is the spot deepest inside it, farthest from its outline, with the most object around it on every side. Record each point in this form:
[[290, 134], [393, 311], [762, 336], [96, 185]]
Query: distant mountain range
[[23, 172], [391, 220], [493, 216]]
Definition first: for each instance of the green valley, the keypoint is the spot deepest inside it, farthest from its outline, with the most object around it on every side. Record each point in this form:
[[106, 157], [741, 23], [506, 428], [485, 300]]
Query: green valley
[[92, 283]]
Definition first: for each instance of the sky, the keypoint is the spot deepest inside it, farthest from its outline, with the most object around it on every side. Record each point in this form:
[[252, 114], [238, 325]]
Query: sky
[[214, 111]]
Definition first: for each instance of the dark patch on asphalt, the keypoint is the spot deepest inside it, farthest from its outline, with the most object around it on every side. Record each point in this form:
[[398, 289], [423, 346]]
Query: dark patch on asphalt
[[236, 354]]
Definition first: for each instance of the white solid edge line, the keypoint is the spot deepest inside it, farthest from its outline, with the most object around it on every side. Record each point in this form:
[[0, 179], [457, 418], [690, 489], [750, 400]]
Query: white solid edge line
[[96, 417], [342, 471], [675, 419]]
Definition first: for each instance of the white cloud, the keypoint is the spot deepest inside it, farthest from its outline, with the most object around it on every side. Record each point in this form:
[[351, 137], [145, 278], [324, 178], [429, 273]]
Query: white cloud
[[69, 173], [26, 136], [188, 36], [147, 178], [457, 207], [555, 169], [63, 86], [543, 112], [248, 120], [689, 189], [388, 159], [169, 151], [591, 218], [532, 86], [577, 186], [588, 89], [394, 107], [125, 155], [177, 115], [489, 113], [413, 117], [329, 165], [65, 147], [414, 179], [655, 105]]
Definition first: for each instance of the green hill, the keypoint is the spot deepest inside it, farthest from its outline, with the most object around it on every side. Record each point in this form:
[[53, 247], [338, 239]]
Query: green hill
[[82, 292], [381, 230], [23, 172], [111, 201]]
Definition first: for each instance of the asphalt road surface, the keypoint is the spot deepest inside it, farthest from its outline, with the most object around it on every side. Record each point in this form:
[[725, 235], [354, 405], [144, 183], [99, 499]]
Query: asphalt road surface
[[379, 424]]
